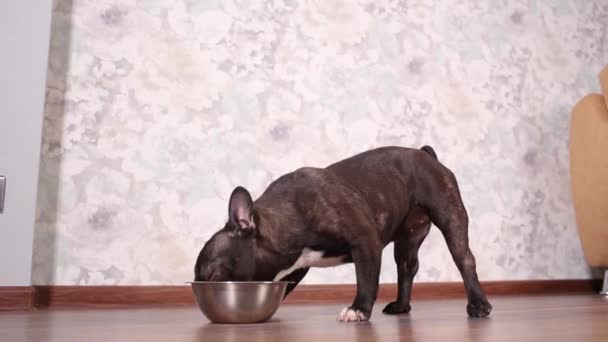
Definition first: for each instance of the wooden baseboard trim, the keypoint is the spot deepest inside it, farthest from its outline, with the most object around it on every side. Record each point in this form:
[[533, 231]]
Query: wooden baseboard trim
[[16, 297], [112, 296], [12, 298], [444, 290]]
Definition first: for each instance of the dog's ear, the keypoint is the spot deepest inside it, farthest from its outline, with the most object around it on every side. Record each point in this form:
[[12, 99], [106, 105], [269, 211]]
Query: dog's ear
[[240, 210]]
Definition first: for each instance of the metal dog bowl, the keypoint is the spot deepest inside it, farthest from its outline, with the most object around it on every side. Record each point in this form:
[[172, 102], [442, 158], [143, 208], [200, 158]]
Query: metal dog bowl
[[238, 302]]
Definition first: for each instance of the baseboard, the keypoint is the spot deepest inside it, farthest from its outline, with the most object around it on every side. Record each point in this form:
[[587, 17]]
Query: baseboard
[[16, 297], [112, 296], [444, 290], [138, 296]]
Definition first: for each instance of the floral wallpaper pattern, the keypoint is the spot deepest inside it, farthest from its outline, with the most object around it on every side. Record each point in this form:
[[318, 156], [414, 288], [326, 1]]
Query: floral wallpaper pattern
[[156, 109]]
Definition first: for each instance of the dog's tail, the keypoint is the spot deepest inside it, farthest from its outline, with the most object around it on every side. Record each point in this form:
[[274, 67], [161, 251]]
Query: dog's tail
[[429, 150]]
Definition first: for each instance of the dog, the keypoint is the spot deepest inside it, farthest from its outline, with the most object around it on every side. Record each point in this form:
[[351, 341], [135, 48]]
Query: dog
[[346, 212]]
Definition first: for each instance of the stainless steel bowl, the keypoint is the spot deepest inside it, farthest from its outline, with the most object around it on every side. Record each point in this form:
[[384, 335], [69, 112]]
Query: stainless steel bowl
[[238, 302]]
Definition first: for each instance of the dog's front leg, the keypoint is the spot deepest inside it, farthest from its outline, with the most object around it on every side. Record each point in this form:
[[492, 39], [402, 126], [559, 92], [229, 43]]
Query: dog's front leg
[[294, 279], [367, 266]]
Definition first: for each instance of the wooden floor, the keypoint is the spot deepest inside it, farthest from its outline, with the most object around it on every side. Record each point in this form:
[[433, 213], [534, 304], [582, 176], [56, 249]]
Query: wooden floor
[[534, 318]]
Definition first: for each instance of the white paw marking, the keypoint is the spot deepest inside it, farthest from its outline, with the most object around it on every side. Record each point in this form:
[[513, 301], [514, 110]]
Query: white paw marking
[[350, 315], [310, 258]]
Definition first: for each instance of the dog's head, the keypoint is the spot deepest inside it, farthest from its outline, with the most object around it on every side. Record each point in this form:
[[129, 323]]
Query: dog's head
[[230, 253]]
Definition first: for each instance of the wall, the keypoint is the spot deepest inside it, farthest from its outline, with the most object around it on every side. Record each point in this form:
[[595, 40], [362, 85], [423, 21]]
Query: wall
[[165, 106], [24, 33]]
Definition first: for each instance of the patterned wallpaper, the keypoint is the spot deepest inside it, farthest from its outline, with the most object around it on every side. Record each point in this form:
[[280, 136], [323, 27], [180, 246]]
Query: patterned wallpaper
[[156, 109]]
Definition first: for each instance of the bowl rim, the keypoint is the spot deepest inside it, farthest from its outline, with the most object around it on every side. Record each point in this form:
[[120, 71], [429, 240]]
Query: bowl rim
[[239, 282]]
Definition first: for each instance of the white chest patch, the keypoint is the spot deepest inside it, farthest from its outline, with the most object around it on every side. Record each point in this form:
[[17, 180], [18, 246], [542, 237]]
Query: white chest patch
[[310, 258]]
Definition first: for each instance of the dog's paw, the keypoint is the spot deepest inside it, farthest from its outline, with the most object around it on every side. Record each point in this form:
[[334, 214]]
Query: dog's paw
[[479, 308], [352, 315], [396, 308]]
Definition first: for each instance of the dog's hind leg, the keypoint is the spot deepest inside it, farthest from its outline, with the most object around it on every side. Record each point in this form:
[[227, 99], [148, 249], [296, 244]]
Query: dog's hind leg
[[407, 241], [449, 215]]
